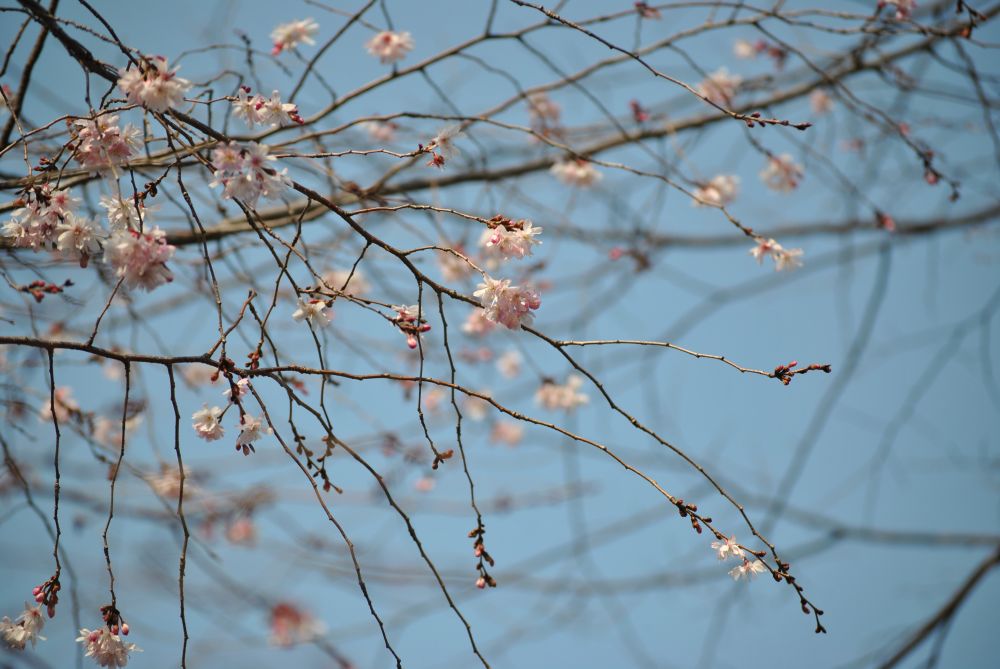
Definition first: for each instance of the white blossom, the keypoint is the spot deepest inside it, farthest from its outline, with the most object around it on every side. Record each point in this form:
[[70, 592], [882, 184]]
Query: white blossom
[[289, 35], [747, 570], [726, 548], [313, 311], [26, 627], [782, 173], [720, 191], [578, 172], [153, 84], [206, 423], [389, 46], [107, 649], [567, 396], [511, 306], [720, 87]]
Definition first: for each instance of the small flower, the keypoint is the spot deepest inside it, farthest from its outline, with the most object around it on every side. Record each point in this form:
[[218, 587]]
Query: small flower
[[477, 324], [140, 258], [510, 239], [511, 306], [27, 627], [576, 172], [246, 174], [442, 145], [344, 281], [291, 625], [79, 237], [277, 113], [552, 396], [509, 364], [313, 311], [65, 406], [381, 131], [744, 50], [783, 258], [747, 570], [242, 531], [782, 173], [720, 191], [507, 432], [904, 8], [726, 548], [543, 111], [250, 431], [720, 87], [107, 649], [820, 102], [242, 388], [206, 423], [153, 84], [100, 143], [389, 46], [289, 35], [476, 408], [122, 213]]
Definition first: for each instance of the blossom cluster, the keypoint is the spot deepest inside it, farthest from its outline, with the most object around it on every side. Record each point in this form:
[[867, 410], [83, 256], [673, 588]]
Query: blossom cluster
[[728, 548], [100, 143], [719, 191], [389, 46], [107, 647], [783, 258], [36, 224], [153, 84], [289, 35], [27, 627], [511, 306], [782, 173], [576, 172], [265, 111], [720, 87], [245, 173], [507, 239], [566, 396]]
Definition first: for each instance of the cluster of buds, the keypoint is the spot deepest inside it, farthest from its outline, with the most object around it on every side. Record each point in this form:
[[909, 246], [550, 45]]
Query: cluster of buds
[[38, 289], [479, 550], [784, 373], [691, 511], [113, 619], [884, 221], [410, 322], [48, 594]]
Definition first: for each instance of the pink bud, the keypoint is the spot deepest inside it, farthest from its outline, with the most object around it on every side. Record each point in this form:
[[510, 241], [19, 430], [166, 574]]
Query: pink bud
[[125, 629], [114, 629], [39, 597], [37, 589], [411, 341], [616, 253], [481, 583]]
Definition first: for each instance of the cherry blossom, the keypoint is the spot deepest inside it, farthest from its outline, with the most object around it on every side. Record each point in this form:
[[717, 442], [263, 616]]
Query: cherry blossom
[[64, 404], [251, 430], [242, 531], [507, 432], [442, 145], [245, 173], [783, 258], [291, 625], [381, 131], [782, 173], [510, 239], [36, 224], [726, 548], [509, 364], [107, 649], [747, 570], [27, 627], [576, 172], [122, 212], [904, 8], [477, 324], [266, 111], [820, 102], [389, 46], [552, 396], [511, 306], [167, 483], [355, 285], [720, 87], [206, 423], [744, 50], [720, 191], [100, 143], [79, 237], [242, 388], [313, 311], [476, 408], [289, 35], [543, 111], [453, 268], [140, 258], [153, 84]]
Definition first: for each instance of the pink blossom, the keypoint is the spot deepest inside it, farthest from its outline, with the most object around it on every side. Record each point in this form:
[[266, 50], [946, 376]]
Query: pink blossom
[[509, 364], [576, 172], [510, 240], [543, 111], [820, 102], [344, 281], [720, 87], [720, 191], [36, 224], [242, 388], [245, 173], [64, 406], [100, 143], [289, 35], [206, 423], [725, 548], [782, 173], [389, 46], [153, 84], [566, 397], [107, 649], [26, 627], [507, 432], [783, 258], [140, 258], [511, 306], [477, 324], [242, 531], [381, 131], [291, 625], [747, 570], [266, 111], [251, 430]]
